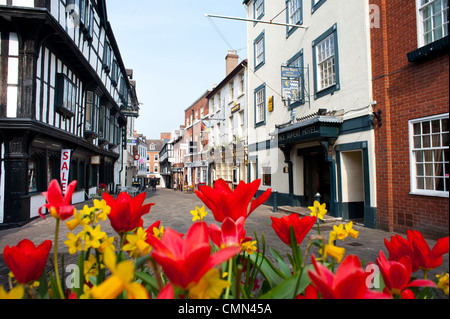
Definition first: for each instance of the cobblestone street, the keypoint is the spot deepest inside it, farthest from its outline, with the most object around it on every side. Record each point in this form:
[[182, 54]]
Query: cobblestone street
[[173, 208]]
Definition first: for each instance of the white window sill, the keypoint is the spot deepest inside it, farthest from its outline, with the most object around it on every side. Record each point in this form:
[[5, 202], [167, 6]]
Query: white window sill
[[430, 193]]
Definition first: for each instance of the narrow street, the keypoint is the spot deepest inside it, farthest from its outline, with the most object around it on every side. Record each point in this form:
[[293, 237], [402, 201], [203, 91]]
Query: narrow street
[[173, 208]]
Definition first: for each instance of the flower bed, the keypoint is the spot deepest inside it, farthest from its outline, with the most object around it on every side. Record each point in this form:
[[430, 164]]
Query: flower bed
[[219, 260]]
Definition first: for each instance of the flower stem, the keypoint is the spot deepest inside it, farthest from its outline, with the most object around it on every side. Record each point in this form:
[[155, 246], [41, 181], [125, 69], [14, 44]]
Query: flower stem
[[230, 266], [56, 260]]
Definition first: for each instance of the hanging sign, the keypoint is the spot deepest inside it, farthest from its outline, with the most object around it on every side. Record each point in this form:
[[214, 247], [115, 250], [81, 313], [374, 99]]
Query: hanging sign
[[65, 165]]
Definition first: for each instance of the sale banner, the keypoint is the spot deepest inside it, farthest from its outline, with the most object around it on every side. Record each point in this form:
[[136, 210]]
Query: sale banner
[[65, 165]]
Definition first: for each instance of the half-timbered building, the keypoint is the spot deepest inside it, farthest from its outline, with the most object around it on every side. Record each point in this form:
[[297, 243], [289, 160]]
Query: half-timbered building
[[63, 85]]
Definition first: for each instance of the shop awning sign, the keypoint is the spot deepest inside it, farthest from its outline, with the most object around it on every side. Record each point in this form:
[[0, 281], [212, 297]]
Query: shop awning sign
[[65, 166]]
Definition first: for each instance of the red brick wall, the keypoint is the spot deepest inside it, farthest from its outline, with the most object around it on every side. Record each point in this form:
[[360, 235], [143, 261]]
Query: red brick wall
[[404, 91]]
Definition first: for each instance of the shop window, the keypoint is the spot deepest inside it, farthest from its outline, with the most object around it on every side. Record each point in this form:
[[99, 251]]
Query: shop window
[[267, 176], [32, 174]]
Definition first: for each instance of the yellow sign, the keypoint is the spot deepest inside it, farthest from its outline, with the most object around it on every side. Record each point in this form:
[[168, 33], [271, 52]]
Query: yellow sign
[[270, 104]]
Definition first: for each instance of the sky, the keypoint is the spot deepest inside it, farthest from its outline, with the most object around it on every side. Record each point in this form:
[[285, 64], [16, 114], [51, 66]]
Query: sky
[[176, 53]]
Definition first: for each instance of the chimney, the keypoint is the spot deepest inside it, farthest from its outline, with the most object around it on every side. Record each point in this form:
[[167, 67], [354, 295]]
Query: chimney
[[231, 61]]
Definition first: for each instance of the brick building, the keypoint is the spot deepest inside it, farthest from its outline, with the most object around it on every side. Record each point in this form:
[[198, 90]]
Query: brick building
[[196, 138], [410, 65]]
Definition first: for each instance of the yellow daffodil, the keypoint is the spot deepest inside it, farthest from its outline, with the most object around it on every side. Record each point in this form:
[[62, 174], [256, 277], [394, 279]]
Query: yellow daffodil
[[340, 232], [15, 293], [102, 210], [73, 243], [443, 283], [209, 287], [86, 292], [106, 242], [136, 244], [199, 213], [92, 237], [121, 279], [80, 218], [90, 267], [158, 233], [333, 251], [249, 247], [351, 232], [318, 210]]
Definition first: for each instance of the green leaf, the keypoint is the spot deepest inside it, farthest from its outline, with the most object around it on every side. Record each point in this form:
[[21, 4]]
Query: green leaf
[[147, 279], [295, 250], [43, 286], [284, 268], [270, 272], [54, 287], [289, 288]]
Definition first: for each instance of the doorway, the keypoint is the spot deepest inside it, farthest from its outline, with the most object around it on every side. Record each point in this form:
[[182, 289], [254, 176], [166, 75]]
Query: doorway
[[317, 178]]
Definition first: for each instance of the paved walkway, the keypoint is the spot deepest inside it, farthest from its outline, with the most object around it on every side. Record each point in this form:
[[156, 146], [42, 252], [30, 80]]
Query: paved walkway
[[173, 208]]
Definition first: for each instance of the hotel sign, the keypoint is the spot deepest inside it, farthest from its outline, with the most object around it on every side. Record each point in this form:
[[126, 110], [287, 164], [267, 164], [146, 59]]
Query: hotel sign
[[312, 132]]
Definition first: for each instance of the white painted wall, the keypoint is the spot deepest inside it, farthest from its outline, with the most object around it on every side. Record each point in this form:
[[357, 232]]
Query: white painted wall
[[354, 96]]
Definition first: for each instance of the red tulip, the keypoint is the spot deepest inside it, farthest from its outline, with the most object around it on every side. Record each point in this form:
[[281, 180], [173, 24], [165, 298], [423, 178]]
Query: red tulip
[[224, 202], [126, 212], [425, 258], [349, 282], [231, 233], [59, 206], [399, 247], [397, 275], [282, 227], [418, 250], [26, 261], [185, 261]]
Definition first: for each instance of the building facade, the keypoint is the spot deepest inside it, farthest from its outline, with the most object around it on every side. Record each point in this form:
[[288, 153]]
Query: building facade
[[410, 63], [228, 124], [63, 85], [310, 114], [179, 151], [196, 139]]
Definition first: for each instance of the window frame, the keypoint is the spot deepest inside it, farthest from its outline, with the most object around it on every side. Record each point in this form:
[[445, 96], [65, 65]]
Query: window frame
[[64, 89], [420, 30], [266, 175], [259, 38], [290, 30], [318, 93], [414, 190], [316, 4], [261, 122], [255, 17]]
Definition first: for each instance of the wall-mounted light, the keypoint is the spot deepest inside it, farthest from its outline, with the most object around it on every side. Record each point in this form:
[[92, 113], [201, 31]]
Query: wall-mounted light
[[378, 117]]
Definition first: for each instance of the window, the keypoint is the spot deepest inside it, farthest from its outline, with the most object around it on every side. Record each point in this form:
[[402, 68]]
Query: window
[[156, 157], [260, 103], [32, 172], [293, 14], [432, 19], [91, 112], [107, 57], [66, 96], [242, 83], [231, 87], [315, 4], [429, 153], [258, 9], [259, 51], [326, 63], [115, 73], [267, 176]]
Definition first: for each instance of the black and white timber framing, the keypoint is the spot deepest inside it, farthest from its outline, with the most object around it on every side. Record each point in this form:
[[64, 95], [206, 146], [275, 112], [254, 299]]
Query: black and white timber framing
[[63, 85]]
